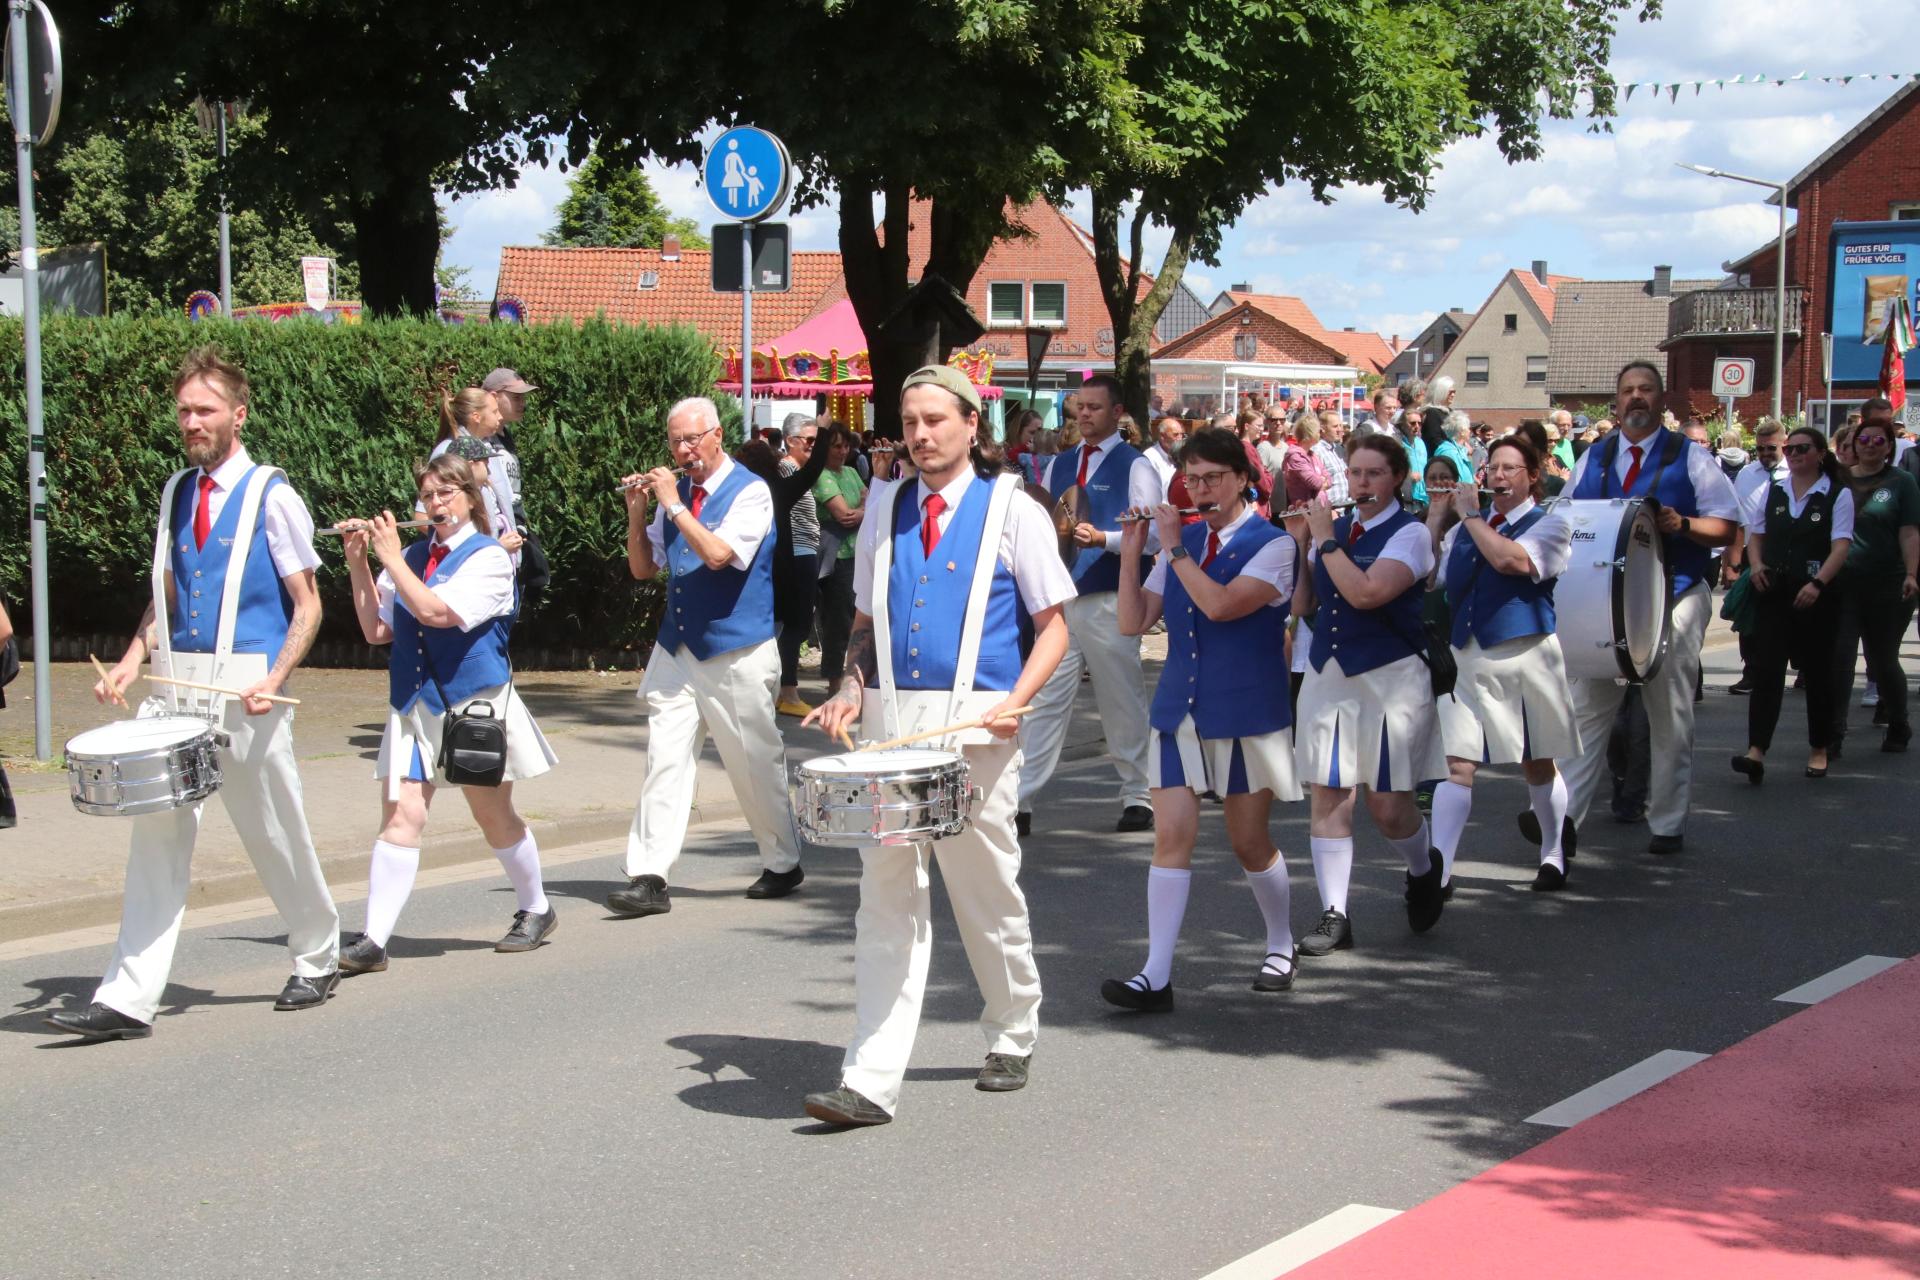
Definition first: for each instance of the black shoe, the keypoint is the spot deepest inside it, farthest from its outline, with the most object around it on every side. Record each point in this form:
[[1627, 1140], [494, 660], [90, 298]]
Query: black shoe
[[1549, 879], [1023, 824], [1740, 688], [1880, 712], [1134, 993], [307, 993], [1529, 822], [529, 930], [1135, 817], [776, 884], [1333, 933], [363, 955], [844, 1106], [98, 1022], [1211, 796], [1666, 844], [1426, 896], [1269, 980], [643, 896], [1003, 1073], [1756, 770], [1816, 771], [1898, 736]]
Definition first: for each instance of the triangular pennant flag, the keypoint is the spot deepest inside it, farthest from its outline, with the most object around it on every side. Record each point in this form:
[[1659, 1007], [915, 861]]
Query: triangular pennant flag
[[1846, 80], [1779, 84], [1628, 96], [1696, 88], [1801, 76], [1735, 80], [1673, 93]]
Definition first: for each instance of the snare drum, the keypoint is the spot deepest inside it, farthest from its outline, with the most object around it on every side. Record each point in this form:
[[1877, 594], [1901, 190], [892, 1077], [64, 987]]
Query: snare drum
[[865, 798], [141, 766], [1614, 603]]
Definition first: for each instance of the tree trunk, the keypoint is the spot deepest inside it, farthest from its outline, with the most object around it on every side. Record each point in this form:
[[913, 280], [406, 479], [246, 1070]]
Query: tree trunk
[[1132, 314], [397, 239]]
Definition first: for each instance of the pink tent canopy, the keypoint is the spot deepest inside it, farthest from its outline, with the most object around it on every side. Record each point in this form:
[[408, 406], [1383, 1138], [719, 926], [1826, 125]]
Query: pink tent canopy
[[835, 329], [834, 336]]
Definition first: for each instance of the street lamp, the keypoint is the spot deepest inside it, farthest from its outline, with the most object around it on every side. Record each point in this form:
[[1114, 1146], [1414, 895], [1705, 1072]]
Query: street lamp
[[213, 117], [1779, 271]]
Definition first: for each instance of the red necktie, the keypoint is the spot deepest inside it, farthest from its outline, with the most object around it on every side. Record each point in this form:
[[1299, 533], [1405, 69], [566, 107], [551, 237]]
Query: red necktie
[[1213, 548], [697, 501], [203, 514], [1497, 521], [1086, 456], [1633, 472], [1353, 534], [930, 523], [435, 554]]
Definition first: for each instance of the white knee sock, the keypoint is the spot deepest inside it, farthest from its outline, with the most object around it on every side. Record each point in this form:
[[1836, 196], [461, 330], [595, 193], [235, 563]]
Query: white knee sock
[[522, 864], [1332, 870], [1416, 849], [1452, 806], [1550, 806], [389, 881], [1166, 908], [1271, 891]]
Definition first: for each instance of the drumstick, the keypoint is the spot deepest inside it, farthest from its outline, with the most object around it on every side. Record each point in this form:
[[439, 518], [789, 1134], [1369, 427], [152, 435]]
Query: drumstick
[[847, 738], [941, 733], [113, 690], [214, 688]]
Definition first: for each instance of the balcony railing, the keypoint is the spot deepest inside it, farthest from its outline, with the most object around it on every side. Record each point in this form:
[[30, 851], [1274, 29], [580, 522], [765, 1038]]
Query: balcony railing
[[1724, 313]]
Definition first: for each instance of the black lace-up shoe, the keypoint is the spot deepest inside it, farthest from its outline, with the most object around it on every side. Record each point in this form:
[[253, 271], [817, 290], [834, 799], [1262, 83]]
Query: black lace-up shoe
[[845, 1107], [776, 884], [529, 930], [1426, 896], [98, 1022], [1333, 933], [307, 993], [363, 955], [1003, 1073], [643, 896]]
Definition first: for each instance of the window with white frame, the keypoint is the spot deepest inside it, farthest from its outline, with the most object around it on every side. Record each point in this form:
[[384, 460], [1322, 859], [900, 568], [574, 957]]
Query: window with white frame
[[1050, 303], [1006, 303], [1536, 371], [1904, 210], [1479, 369]]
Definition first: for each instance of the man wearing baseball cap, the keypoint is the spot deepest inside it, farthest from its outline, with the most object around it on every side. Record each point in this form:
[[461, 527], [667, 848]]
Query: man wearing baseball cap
[[510, 393]]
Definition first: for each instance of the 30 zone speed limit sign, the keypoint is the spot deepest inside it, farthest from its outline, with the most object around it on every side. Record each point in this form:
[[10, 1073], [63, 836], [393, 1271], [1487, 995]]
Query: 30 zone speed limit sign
[[1732, 376]]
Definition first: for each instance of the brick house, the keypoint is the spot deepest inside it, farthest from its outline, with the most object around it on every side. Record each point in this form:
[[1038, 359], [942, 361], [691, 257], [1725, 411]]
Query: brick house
[[1871, 173], [1368, 352], [1247, 349], [1499, 363], [1600, 325]]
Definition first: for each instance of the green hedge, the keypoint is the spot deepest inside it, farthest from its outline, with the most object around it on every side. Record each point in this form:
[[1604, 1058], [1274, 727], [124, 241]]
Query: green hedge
[[347, 411]]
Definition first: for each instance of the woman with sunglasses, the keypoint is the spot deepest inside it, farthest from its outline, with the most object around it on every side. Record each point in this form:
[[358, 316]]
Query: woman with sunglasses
[[1878, 585], [1799, 530], [446, 604], [1219, 721]]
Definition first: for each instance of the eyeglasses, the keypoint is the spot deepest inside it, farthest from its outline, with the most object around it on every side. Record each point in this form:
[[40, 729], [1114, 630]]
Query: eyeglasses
[[1797, 448], [438, 495], [806, 440], [688, 441], [1206, 479], [1877, 440]]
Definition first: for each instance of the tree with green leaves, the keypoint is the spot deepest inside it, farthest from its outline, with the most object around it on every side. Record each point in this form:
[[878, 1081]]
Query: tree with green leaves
[[611, 205], [1234, 96]]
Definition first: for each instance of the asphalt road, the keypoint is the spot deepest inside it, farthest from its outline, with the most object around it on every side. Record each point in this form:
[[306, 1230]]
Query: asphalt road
[[626, 1101]]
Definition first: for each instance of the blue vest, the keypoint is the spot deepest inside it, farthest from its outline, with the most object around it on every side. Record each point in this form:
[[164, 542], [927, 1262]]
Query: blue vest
[[1365, 639], [465, 662], [200, 576], [927, 600], [715, 611], [1664, 462], [1095, 569], [1491, 606], [1221, 673]]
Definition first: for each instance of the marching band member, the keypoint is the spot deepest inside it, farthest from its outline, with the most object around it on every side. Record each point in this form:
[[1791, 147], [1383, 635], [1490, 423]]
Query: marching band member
[[1221, 722], [1698, 512], [1115, 478], [233, 591], [1366, 715], [715, 667], [943, 564], [1509, 704], [446, 605]]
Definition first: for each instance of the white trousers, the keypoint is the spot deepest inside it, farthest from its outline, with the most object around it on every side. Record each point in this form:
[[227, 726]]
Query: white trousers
[[261, 790], [729, 696], [1669, 699], [893, 934], [1094, 643]]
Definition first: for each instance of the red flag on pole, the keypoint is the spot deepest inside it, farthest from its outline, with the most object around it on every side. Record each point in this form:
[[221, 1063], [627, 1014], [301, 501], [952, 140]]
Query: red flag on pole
[[1893, 362]]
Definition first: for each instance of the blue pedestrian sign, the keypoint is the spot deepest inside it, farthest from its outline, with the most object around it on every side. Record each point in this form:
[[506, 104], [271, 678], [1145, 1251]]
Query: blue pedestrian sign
[[747, 173]]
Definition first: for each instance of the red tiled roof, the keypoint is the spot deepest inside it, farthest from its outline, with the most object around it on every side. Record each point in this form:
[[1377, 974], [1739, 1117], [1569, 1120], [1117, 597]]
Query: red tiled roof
[[576, 284], [1281, 337], [1367, 352], [1542, 294], [1282, 307]]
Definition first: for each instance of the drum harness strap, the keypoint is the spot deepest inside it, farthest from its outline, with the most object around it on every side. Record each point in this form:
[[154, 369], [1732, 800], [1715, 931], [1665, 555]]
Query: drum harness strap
[[1610, 454], [1000, 501]]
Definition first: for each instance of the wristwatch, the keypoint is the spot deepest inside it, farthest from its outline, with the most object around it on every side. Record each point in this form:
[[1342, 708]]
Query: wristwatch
[[1328, 547], [1686, 525], [1177, 553], [673, 512]]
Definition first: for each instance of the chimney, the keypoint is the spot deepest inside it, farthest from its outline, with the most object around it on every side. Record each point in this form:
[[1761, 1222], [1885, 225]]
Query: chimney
[[1393, 344], [670, 249], [1662, 282], [1348, 329], [1540, 270], [1242, 287]]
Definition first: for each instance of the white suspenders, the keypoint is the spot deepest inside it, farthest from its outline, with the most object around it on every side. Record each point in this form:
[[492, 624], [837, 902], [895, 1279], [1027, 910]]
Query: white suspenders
[[222, 666]]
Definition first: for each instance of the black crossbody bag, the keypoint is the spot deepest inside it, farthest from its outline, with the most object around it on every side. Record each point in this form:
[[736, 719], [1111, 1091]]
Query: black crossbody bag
[[473, 742]]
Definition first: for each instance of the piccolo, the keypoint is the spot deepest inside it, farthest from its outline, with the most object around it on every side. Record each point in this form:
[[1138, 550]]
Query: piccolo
[[637, 481], [1342, 505], [346, 527], [1134, 515], [1451, 489]]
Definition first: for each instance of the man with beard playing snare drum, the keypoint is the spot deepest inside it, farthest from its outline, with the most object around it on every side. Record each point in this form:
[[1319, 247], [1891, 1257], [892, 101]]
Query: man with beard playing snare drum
[[921, 609]]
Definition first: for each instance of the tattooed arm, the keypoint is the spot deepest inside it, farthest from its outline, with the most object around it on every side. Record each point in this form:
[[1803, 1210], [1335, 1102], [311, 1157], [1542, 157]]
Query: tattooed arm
[[127, 670], [863, 671], [301, 630]]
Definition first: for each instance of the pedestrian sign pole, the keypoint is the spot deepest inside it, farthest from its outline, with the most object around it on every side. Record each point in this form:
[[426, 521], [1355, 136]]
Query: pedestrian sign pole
[[747, 173]]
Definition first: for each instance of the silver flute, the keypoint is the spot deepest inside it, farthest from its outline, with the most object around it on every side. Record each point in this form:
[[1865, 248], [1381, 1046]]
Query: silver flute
[[346, 527], [1133, 515], [1342, 505], [637, 481]]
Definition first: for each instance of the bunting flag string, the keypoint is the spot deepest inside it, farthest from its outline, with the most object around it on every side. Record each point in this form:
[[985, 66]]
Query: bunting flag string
[[1672, 88]]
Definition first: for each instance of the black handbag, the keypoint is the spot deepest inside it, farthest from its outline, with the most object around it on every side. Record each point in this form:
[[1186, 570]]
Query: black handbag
[[1443, 670], [473, 742]]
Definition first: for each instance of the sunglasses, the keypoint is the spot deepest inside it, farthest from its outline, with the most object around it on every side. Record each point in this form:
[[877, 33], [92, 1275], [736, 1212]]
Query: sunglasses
[[1797, 448], [1876, 440]]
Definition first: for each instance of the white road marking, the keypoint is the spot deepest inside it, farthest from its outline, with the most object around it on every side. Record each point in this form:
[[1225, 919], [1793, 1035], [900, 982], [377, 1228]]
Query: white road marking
[[1839, 980], [1306, 1244], [1616, 1088]]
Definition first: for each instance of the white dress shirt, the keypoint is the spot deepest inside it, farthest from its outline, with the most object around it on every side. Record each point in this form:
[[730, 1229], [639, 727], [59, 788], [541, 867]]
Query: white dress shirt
[[1029, 544], [1549, 542], [289, 524], [1272, 563], [1412, 546], [748, 521], [1712, 491], [1164, 467], [1756, 475], [480, 590], [1842, 526]]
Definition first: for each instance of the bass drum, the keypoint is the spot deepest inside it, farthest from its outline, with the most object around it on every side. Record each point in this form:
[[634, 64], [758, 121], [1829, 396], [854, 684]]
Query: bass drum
[[1614, 603]]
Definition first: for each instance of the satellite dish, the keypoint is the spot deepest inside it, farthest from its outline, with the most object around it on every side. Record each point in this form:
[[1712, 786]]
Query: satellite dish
[[44, 78]]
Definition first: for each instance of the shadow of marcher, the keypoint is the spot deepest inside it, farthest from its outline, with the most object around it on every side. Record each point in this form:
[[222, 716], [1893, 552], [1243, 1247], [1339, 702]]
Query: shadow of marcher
[[72, 993], [399, 946], [779, 1074]]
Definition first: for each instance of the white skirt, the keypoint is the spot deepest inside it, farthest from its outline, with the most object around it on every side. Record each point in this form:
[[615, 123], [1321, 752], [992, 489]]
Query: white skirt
[[411, 744], [1510, 704], [1224, 766], [1376, 730]]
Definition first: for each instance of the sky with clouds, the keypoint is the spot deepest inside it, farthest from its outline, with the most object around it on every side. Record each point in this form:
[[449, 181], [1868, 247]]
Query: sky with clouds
[[1602, 206]]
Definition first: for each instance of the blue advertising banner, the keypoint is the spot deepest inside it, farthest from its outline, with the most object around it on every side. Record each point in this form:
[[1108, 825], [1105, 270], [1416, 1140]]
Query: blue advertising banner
[[1873, 262]]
